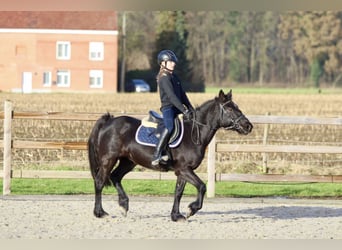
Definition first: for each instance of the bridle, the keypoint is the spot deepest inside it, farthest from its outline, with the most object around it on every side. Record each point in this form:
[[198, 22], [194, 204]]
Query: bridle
[[235, 124], [196, 124]]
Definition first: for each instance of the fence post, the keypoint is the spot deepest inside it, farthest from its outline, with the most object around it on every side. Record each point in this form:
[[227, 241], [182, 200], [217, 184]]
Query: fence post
[[6, 189], [211, 168], [264, 142]]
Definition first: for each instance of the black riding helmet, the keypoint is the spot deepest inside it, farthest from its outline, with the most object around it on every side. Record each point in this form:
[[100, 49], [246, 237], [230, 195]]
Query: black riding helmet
[[167, 55]]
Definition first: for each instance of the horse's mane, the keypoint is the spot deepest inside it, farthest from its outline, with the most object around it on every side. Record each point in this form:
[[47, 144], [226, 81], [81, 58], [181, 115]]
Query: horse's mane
[[205, 106]]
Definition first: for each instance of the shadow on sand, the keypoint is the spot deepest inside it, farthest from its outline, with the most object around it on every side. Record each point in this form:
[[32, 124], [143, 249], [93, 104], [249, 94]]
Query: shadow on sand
[[286, 212]]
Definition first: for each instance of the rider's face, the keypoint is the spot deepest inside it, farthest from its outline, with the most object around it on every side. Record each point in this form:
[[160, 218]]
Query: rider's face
[[170, 65]]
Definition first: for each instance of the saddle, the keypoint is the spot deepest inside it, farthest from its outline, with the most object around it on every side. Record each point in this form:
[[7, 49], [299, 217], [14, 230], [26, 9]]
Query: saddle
[[152, 125]]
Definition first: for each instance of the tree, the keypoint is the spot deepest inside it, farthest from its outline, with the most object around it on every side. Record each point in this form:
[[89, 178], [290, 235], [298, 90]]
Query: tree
[[267, 51], [213, 45], [139, 42], [221, 47], [140, 38], [315, 36], [172, 34]]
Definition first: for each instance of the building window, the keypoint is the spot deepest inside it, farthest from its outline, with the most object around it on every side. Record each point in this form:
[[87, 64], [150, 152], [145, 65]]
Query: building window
[[63, 50], [96, 51], [63, 78], [47, 79], [96, 78]]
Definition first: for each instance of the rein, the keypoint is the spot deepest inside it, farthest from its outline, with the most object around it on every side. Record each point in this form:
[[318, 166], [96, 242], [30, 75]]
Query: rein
[[196, 124]]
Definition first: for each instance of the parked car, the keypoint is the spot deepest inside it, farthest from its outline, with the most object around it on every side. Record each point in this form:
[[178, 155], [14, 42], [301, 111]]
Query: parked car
[[137, 85]]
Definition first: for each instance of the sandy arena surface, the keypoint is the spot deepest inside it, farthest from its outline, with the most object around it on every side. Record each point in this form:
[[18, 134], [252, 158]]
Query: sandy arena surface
[[71, 217]]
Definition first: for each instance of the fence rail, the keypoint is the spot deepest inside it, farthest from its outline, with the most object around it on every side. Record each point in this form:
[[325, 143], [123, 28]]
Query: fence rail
[[79, 116], [259, 148], [304, 120], [8, 115]]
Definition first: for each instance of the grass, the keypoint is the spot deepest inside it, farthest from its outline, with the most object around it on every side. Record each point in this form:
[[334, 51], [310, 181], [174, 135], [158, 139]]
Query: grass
[[166, 188]]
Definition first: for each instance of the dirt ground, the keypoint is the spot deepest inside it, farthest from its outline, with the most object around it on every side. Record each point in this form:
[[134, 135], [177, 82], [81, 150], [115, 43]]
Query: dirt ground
[[70, 217]]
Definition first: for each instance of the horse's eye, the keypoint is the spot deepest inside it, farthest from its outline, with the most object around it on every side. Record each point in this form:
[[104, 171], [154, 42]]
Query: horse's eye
[[229, 109]]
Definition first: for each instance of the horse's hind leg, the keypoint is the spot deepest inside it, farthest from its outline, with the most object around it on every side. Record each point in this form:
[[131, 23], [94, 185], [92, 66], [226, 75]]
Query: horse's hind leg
[[99, 182], [124, 167], [101, 179]]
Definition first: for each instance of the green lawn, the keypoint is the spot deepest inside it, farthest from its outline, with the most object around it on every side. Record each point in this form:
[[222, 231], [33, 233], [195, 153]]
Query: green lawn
[[166, 188]]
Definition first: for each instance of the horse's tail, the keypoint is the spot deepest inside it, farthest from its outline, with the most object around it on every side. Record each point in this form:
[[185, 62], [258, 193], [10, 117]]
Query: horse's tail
[[93, 145]]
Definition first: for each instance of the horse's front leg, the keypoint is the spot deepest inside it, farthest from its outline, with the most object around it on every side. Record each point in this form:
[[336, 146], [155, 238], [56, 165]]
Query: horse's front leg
[[189, 176], [175, 214]]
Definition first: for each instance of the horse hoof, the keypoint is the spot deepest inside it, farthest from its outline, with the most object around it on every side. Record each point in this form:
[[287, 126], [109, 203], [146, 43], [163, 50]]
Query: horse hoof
[[178, 218], [100, 214], [123, 211], [190, 213], [181, 219]]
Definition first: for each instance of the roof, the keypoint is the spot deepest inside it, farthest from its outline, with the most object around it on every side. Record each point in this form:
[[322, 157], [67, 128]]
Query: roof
[[87, 20]]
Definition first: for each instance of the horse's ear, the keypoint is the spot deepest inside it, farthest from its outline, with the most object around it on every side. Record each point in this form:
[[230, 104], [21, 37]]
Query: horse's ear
[[229, 95], [221, 95]]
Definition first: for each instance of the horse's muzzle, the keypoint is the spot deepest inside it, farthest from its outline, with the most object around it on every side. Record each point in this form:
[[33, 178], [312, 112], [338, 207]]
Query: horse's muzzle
[[244, 127]]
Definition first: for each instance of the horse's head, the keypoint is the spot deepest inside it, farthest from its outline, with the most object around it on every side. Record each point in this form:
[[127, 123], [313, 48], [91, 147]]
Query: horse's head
[[231, 116]]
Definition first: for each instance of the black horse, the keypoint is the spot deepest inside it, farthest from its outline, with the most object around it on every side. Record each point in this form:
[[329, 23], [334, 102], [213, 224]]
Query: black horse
[[113, 139]]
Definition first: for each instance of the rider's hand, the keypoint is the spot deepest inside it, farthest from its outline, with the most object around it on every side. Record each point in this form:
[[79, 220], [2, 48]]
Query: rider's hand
[[188, 114]]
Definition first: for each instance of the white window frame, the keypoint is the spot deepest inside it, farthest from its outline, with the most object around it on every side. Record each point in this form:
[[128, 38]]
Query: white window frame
[[47, 78], [96, 79], [63, 50], [63, 78], [96, 51]]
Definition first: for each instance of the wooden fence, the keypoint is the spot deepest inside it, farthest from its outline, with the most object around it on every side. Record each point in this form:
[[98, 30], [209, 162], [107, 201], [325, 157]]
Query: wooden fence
[[213, 148]]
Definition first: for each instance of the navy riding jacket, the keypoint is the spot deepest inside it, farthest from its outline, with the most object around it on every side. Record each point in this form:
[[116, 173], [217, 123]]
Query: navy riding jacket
[[172, 94]]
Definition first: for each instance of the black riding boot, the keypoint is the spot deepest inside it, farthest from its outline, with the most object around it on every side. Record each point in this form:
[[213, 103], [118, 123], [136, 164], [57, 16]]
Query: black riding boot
[[157, 156]]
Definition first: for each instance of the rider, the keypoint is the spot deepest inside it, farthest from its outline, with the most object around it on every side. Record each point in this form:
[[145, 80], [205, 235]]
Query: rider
[[172, 97]]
